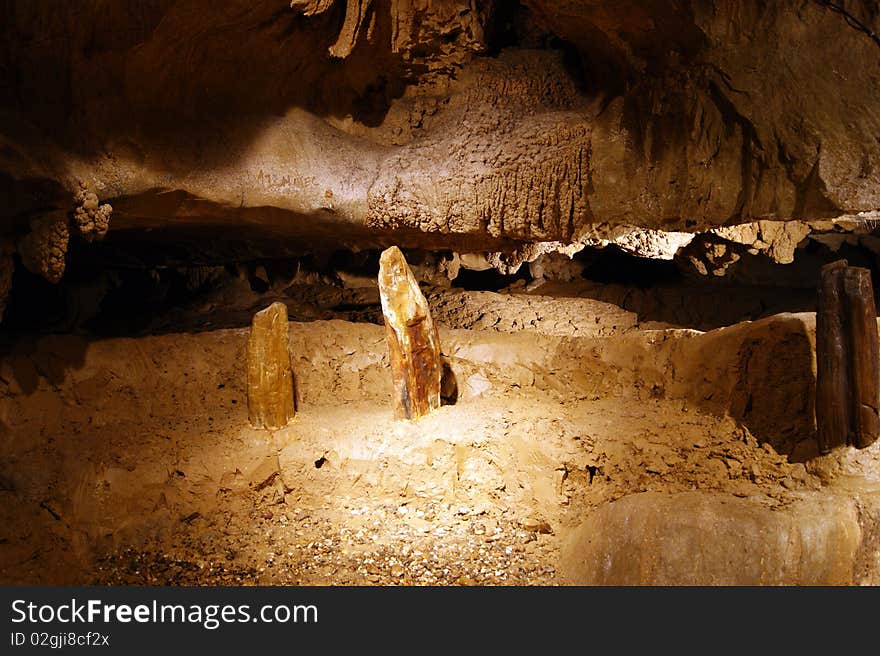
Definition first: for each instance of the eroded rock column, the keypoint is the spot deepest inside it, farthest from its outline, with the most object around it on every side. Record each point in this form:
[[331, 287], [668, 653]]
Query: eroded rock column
[[269, 377], [413, 343], [847, 359]]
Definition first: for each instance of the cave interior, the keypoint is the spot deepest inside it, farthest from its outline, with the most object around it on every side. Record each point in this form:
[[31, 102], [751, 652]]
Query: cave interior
[[614, 218]]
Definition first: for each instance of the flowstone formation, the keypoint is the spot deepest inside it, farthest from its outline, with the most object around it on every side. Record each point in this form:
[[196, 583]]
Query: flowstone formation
[[269, 377], [413, 343]]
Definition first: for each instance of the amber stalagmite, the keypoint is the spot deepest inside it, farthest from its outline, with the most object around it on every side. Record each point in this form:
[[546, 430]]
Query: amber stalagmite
[[413, 344], [269, 377]]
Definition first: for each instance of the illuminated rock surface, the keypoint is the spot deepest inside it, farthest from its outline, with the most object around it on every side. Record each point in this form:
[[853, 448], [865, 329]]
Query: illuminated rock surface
[[270, 380], [413, 344], [695, 538]]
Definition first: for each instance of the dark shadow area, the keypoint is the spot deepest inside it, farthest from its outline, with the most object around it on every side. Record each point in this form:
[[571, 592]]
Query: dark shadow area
[[668, 292], [489, 280], [775, 392], [612, 265], [170, 69], [27, 360], [448, 384], [763, 375], [23, 197]]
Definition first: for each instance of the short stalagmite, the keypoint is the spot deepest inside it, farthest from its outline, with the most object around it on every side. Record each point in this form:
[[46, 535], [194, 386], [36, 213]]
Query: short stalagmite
[[847, 359], [413, 344], [269, 377]]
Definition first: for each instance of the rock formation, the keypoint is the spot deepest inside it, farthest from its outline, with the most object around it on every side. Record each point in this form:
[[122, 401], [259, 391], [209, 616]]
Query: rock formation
[[44, 249], [703, 539], [269, 376], [473, 127], [91, 219], [413, 343], [847, 357]]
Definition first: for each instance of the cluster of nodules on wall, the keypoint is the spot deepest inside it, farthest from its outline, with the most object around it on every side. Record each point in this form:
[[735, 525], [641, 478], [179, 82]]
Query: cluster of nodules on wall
[[43, 249]]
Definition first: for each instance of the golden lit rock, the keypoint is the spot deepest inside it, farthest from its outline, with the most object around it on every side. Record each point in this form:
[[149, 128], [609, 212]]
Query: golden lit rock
[[413, 344], [270, 380]]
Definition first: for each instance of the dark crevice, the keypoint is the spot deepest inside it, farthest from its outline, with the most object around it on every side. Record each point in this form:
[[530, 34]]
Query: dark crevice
[[110, 292], [850, 20], [501, 26]]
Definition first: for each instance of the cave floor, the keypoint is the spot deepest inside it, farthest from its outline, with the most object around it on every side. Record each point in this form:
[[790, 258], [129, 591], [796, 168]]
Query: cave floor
[[477, 493]]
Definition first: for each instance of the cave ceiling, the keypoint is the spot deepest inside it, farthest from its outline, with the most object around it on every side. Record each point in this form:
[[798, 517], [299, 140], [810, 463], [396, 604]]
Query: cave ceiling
[[493, 126]]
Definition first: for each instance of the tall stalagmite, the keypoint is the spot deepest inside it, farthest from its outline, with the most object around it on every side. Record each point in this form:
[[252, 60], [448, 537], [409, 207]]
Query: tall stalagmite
[[269, 377], [847, 359], [413, 344]]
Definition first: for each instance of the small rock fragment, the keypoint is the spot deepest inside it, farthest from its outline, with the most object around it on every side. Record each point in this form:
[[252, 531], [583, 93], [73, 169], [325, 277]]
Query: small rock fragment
[[536, 525]]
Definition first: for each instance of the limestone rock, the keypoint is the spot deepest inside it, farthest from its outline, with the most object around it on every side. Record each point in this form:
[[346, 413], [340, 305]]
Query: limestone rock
[[413, 343], [269, 376], [693, 118], [91, 218], [708, 254], [413, 24], [44, 249], [656, 244], [698, 538], [777, 239]]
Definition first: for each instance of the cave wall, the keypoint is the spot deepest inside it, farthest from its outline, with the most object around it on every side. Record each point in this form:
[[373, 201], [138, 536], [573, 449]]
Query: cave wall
[[760, 373]]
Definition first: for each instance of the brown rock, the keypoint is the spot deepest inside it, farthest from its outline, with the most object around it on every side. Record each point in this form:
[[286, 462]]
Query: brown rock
[[865, 356], [413, 343], [847, 359], [269, 377]]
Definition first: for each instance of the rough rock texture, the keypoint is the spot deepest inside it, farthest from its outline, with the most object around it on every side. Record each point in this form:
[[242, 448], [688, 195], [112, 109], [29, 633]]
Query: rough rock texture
[[442, 124], [90, 218], [696, 538], [44, 249], [434, 34], [413, 342], [269, 377], [655, 244], [847, 358], [778, 240], [572, 317]]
